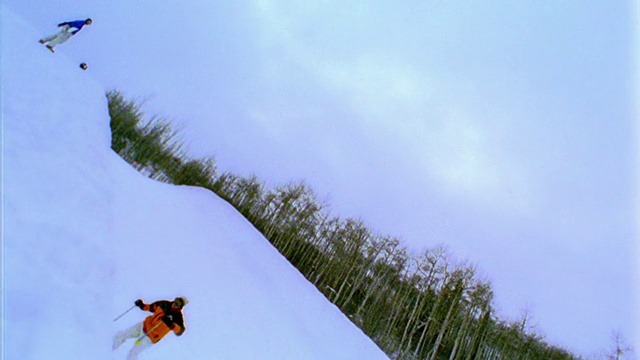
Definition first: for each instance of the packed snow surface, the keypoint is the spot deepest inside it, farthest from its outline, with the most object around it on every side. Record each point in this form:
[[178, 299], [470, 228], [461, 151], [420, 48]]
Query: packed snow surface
[[85, 235]]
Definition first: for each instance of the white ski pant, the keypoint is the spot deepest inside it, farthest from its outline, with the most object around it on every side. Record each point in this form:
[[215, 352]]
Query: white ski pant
[[134, 332], [57, 39]]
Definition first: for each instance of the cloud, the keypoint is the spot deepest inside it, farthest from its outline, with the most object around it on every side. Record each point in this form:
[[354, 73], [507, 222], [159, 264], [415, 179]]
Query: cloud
[[468, 160], [429, 115]]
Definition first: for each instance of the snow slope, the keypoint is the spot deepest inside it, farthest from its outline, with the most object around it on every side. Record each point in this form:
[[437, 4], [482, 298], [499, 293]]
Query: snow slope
[[84, 235]]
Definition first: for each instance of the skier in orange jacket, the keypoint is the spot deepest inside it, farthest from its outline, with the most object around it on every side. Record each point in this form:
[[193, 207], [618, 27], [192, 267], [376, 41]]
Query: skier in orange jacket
[[167, 316]]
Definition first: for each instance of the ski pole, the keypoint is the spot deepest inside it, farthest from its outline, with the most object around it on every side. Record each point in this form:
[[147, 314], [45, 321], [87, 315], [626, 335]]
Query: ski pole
[[147, 333], [124, 313]]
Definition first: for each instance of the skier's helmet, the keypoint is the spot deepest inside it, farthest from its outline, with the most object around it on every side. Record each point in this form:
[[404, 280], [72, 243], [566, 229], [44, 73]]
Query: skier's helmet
[[181, 301]]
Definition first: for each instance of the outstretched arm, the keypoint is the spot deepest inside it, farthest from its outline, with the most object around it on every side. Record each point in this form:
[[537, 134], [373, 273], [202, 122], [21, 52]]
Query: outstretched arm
[[177, 323], [178, 329], [143, 306]]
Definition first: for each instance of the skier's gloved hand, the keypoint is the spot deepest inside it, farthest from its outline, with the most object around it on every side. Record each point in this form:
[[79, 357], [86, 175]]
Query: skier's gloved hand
[[139, 303]]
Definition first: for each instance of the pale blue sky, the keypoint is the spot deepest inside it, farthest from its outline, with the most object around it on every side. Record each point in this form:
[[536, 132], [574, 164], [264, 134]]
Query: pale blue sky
[[504, 130]]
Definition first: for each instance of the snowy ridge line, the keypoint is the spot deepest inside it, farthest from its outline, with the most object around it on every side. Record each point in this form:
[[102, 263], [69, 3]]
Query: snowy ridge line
[[85, 235]]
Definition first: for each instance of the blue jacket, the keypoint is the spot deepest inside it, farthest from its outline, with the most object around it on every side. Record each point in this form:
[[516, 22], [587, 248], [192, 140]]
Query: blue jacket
[[78, 24]]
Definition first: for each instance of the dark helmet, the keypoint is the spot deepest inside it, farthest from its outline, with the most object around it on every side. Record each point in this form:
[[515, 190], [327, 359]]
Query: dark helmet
[[181, 301], [88, 21]]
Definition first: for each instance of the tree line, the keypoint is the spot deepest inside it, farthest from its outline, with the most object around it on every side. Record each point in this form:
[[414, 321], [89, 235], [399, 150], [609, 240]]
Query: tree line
[[423, 306]]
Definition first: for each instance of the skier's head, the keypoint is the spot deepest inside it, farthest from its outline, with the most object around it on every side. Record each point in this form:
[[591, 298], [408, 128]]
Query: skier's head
[[180, 302], [88, 21]]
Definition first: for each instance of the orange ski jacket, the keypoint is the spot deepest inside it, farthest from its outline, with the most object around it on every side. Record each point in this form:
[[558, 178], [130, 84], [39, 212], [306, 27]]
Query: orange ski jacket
[[165, 318]]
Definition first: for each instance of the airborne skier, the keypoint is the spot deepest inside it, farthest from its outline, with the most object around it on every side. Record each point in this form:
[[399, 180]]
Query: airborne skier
[[68, 29], [167, 316]]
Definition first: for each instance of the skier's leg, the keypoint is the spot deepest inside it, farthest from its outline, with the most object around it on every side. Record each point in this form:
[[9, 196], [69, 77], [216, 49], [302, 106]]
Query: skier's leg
[[47, 39], [139, 347], [52, 37], [60, 38], [133, 332]]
